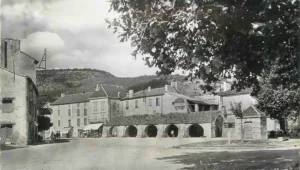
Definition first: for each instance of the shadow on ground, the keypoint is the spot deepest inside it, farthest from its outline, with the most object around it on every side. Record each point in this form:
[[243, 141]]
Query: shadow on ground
[[8, 147], [287, 159], [52, 142]]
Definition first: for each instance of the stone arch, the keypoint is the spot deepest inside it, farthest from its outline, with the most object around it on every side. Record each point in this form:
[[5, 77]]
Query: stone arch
[[219, 126], [113, 131], [195, 130], [171, 128], [151, 131], [131, 131]]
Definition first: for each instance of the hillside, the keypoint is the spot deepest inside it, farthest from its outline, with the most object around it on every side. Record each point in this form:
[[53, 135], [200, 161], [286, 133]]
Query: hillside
[[56, 81]]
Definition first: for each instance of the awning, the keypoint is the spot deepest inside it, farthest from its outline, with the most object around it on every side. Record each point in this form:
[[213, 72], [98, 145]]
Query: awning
[[66, 130], [95, 126]]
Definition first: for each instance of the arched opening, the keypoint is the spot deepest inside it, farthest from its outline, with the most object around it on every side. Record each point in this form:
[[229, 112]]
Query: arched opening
[[151, 131], [219, 126], [113, 131], [172, 129], [196, 130], [131, 131]]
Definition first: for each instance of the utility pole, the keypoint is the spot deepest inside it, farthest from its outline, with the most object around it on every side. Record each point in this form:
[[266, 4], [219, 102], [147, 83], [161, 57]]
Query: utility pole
[[43, 61]]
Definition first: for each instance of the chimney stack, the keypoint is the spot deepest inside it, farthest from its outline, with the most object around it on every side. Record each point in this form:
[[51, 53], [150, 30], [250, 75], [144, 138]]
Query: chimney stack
[[130, 93], [149, 89], [62, 95], [118, 94], [166, 87], [97, 87]]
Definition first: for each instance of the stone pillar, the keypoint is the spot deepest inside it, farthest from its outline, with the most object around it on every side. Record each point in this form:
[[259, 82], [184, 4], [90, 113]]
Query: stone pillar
[[207, 129], [160, 130], [197, 108], [105, 132], [181, 130], [121, 131], [140, 130]]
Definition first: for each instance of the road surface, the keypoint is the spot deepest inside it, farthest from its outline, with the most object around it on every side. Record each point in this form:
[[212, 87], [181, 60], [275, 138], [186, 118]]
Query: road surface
[[139, 154]]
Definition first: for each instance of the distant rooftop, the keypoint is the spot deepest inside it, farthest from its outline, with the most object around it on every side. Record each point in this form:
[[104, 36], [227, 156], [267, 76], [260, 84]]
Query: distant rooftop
[[235, 92], [73, 98], [105, 90]]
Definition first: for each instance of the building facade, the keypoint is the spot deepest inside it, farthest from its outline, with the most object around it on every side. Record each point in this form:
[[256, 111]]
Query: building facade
[[18, 94], [72, 114]]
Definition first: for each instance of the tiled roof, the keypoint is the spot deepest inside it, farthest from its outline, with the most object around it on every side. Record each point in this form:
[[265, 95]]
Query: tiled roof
[[196, 100], [73, 98], [152, 92], [252, 111], [202, 117], [235, 92], [109, 91]]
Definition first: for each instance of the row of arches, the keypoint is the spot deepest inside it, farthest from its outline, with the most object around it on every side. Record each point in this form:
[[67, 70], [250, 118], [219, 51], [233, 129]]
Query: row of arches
[[194, 130]]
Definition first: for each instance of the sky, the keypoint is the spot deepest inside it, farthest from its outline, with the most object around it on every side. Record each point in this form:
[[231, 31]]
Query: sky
[[74, 33]]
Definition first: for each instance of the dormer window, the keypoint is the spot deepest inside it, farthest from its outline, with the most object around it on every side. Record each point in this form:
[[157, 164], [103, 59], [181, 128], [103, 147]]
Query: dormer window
[[7, 105]]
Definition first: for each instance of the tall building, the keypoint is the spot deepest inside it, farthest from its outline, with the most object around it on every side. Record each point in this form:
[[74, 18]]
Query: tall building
[[18, 95]]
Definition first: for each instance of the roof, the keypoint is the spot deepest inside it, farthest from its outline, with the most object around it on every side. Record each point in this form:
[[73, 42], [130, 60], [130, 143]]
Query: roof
[[172, 118], [235, 92], [73, 98], [252, 111], [21, 75], [109, 91], [152, 92], [35, 61], [196, 100]]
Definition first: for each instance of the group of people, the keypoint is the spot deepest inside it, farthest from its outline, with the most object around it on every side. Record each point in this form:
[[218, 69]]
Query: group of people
[[55, 136]]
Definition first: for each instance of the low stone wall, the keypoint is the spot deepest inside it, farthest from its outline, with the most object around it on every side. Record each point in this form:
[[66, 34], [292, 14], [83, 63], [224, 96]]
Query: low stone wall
[[172, 118]]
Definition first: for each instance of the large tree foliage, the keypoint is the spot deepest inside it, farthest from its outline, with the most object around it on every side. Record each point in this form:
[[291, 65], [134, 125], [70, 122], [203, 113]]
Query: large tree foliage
[[44, 123], [214, 39]]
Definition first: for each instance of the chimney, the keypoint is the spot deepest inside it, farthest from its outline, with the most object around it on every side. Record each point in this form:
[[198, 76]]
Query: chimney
[[97, 87], [149, 89], [118, 94], [62, 95], [130, 93], [166, 87]]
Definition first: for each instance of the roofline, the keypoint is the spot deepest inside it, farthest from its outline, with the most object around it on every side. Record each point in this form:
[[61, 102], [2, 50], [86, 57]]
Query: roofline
[[238, 93], [141, 97], [104, 90], [21, 75], [67, 103], [35, 60]]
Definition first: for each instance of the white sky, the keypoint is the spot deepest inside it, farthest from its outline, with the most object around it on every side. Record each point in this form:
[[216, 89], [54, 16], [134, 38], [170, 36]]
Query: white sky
[[74, 33]]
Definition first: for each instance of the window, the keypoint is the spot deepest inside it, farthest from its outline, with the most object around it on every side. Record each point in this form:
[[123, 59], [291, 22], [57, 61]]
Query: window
[[136, 103], [78, 122], [6, 130], [78, 104], [85, 104], [85, 121], [69, 122], [85, 112], [7, 105], [69, 112], [95, 106], [78, 112], [69, 106], [58, 123], [150, 102], [127, 104], [157, 101], [58, 112], [58, 107], [144, 99], [102, 106]]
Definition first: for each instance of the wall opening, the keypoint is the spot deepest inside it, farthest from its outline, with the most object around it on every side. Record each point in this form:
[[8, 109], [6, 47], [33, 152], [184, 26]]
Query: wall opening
[[113, 131], [131, 131], [6, 130], [171, 128], [219, 126], [196, 130], [151, 131]]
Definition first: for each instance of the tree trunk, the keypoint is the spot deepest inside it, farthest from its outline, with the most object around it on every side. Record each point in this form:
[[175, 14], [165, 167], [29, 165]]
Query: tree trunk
[[242, 131]]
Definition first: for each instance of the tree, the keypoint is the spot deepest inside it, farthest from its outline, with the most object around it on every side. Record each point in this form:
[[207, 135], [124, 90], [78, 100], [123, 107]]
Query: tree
[[44, 123], [156, 83], [236, 109], [212, 39]]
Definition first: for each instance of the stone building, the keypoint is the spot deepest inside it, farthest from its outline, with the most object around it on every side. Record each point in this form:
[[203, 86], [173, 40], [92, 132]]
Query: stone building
[[18, 94], [74, 113]]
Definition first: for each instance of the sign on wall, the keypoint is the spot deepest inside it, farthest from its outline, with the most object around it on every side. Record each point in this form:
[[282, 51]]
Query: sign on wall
[[179, 104]]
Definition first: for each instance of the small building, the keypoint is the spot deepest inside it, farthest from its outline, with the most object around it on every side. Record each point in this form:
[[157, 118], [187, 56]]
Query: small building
[[18, 95], [254, 125]]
